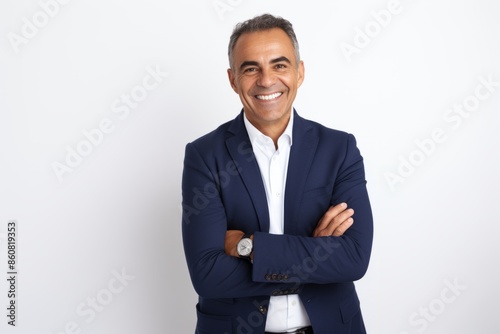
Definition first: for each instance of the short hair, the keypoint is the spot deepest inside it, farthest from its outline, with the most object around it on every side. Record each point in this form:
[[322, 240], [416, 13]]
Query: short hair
[[262, 23]]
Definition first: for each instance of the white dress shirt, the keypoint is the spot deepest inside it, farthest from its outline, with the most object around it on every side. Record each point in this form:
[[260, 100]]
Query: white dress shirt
[[285, 313]]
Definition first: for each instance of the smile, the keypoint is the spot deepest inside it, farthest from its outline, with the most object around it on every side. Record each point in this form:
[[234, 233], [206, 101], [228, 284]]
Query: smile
[[269, 97]]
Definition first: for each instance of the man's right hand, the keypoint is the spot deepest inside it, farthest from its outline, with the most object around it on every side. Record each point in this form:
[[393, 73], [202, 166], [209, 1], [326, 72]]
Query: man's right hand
[[335, 221]]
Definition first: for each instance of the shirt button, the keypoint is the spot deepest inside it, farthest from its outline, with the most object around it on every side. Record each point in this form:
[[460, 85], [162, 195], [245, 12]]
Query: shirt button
[[294, 303]]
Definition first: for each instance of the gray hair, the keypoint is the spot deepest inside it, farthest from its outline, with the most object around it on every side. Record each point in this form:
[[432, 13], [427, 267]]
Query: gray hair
[[261, 23]]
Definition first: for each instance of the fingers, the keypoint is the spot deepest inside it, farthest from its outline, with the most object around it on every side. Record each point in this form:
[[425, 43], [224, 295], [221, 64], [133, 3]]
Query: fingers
[[335, 221], [331, 213], [340, 230]]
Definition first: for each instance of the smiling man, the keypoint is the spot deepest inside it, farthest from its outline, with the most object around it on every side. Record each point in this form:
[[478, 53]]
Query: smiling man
[[277, 222], [266, 73]]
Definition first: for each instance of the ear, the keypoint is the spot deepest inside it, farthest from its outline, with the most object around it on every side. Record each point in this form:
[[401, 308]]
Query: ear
[[301, 73], [232, 78]]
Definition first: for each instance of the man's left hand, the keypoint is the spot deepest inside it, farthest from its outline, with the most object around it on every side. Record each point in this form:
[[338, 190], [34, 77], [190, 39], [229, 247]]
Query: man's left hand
[[232, 239]]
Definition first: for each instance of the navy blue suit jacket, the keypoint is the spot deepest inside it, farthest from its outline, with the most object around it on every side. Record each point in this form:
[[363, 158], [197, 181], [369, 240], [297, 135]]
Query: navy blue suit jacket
[[223, 190]]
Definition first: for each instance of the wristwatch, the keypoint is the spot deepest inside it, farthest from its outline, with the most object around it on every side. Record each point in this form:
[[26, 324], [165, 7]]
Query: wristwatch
[[245, 247]]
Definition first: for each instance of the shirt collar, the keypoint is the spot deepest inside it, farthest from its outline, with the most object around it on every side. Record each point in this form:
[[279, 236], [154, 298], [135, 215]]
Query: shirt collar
[[254, 133]]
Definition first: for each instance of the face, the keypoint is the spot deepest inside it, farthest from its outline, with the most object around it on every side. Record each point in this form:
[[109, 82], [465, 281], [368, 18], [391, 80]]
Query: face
[[266, 76]]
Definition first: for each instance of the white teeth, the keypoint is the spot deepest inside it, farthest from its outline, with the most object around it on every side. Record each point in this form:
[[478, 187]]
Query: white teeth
[[268, 97]]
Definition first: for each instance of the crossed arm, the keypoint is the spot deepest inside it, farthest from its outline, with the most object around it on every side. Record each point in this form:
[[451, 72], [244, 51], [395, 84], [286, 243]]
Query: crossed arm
[[334, 222], [338, 248]]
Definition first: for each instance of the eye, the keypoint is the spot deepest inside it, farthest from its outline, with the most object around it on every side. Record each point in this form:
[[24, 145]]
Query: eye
[[280, 66], [250, 70]]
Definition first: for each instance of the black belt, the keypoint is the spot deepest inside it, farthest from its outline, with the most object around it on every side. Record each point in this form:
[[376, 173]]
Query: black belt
[[305, 330]]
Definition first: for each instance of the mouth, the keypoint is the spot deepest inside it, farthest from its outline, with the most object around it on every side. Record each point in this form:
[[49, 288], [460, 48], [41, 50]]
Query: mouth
[[269, 97]]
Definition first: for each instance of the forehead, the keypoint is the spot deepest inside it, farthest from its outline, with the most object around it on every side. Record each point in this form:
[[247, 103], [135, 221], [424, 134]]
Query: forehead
[[262, 44]]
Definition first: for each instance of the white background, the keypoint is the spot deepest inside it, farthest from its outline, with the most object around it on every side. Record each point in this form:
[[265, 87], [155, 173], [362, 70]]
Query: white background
[[119, 208]]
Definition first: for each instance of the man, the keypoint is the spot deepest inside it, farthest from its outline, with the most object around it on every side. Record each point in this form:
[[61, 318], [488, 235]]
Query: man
[[276, 217]]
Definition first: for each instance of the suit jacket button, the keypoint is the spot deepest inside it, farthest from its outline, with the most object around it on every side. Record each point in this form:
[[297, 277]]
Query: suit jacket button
[[267, 277], [274, 277]]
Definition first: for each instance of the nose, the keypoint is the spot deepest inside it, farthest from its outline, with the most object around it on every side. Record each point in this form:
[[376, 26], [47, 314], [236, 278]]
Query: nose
[[266, 78]]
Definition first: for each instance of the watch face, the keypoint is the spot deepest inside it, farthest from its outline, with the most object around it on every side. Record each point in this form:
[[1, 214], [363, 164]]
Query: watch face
[[244, 247]]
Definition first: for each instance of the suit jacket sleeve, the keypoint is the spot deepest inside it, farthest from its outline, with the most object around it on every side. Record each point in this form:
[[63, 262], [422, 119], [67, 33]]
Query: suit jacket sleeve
[[324, 259]]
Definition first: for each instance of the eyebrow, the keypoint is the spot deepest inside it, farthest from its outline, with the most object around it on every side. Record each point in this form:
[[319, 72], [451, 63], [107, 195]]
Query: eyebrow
[[281, 59], [273, 61]]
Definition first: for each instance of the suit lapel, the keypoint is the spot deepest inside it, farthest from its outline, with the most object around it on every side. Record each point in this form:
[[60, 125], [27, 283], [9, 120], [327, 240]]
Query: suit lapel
[[305, 142], [240, 149]]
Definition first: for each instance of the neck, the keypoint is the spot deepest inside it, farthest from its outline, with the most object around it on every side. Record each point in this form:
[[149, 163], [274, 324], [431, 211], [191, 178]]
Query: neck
[[274, 130]]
